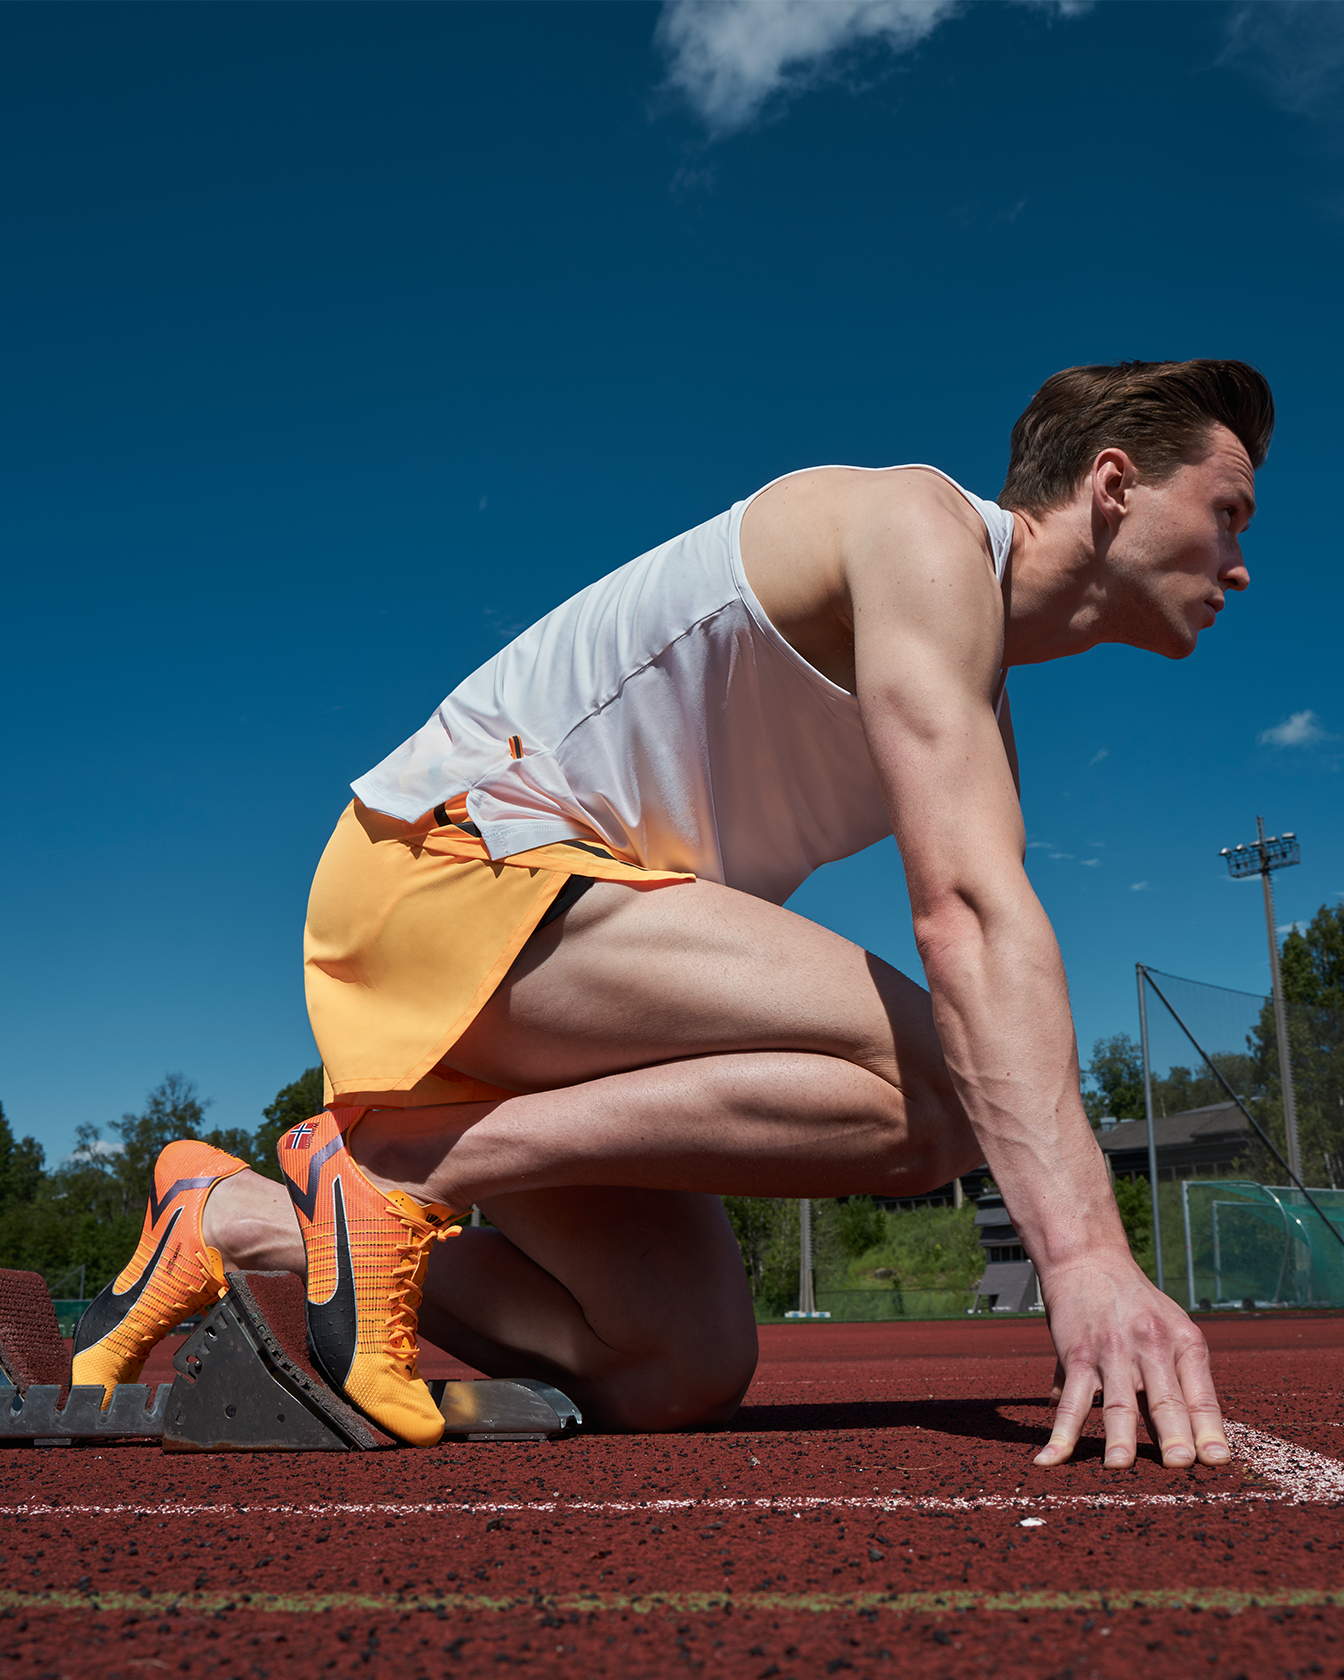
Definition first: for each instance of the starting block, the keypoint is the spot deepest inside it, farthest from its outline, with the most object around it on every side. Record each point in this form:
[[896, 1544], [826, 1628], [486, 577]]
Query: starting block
[[37, 1403], [245, 1383]]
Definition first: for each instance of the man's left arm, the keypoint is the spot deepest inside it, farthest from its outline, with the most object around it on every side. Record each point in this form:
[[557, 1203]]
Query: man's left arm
[[928, 640]]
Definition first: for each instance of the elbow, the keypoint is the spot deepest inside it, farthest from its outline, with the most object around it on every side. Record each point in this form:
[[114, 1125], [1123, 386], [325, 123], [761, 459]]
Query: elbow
[[957, 929], [948, 932]]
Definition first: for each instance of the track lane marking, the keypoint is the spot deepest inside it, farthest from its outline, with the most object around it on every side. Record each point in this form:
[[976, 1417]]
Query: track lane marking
[[951, 1602], [1307, 1477], [1287, 1473]]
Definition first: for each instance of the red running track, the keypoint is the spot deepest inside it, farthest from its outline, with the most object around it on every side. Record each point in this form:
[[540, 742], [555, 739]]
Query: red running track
[[873, 1511]]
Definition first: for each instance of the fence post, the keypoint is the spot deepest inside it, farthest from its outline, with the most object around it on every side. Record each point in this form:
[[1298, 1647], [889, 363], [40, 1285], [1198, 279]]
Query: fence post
[[807, 1300], [1141, 974]]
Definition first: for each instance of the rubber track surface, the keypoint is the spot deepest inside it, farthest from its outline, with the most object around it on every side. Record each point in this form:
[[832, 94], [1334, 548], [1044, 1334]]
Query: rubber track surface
[[864, 1516]]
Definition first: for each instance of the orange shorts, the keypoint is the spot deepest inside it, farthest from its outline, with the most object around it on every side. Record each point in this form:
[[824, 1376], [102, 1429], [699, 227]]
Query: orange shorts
[[411, 926]]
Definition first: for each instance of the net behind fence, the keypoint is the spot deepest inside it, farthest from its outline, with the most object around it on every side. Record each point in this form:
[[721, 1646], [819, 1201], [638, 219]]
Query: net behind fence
[[1262, 1244], [1236, 1032]]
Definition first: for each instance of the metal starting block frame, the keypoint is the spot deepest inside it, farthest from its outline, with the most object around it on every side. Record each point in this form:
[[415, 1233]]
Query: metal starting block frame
[[245, 1383], [36, 1414]]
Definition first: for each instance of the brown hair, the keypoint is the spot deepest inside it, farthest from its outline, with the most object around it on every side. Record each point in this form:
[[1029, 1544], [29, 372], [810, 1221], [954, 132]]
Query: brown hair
[[1159, 413]]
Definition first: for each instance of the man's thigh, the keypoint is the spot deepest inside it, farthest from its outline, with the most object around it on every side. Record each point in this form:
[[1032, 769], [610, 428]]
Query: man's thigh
[[634, 1301], [628, 978]]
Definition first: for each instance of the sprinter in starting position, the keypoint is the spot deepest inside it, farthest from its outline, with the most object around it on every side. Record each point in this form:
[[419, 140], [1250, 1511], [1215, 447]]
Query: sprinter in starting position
[[550, 972]]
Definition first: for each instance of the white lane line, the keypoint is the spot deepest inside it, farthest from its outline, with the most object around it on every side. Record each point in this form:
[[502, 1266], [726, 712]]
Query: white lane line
[[1306, 1477], [1294, 1474]]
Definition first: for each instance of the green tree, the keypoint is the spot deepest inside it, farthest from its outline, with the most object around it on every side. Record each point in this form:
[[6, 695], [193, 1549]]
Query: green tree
[[1183, 1089], [1312, 968], [1116, 1070], [1312, 963], [21, 1164], [1135, 1201], [755, 1221], [859, 1225]]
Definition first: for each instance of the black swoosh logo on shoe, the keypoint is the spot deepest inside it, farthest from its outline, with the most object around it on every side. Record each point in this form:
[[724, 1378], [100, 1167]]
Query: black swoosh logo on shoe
[[305, 1198], [157, 1203], [333, 1324], [109, 1309]]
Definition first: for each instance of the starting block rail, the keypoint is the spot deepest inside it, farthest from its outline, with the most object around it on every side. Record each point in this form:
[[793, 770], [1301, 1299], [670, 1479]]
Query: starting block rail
[[245, 1383]]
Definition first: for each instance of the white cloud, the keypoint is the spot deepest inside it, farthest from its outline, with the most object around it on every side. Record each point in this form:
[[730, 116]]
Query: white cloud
[[1091, 863], [1139, 886], [1295, 48], [99, 1146], [1040, 845], [1300, 730], [1293, 927], [1096, 758], [727, 58], [1061, 854]]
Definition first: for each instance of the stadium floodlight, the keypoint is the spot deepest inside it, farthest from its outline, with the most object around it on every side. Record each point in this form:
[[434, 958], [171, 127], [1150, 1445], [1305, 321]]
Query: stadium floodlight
[[1264, 855]]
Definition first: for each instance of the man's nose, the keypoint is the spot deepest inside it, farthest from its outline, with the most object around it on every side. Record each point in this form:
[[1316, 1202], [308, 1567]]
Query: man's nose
[[1236, 576]]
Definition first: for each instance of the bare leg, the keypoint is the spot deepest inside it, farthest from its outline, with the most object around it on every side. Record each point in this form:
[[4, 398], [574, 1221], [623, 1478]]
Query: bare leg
[[700, 1040], [768, 1124], [634, 1302], [686, 1040], [250, 1220]]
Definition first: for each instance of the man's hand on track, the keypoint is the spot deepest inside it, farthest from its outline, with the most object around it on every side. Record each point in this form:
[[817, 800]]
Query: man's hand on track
[[1114, 1331]]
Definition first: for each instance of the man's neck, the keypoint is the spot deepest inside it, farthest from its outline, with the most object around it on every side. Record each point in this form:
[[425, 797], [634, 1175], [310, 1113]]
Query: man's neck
[[1053, 587]]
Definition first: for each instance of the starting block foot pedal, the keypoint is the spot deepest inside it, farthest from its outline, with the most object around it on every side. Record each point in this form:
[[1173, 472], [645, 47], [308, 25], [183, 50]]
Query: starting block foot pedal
[[246, 1383], [31, 1348], [504, 1409]]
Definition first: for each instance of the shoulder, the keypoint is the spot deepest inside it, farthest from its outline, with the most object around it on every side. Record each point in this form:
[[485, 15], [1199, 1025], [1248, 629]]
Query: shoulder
[[911, 537], [912, 509], [830, 513], [920, 576]]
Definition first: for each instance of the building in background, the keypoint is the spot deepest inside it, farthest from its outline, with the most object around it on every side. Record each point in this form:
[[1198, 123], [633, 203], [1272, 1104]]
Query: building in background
[[1200, 1143]]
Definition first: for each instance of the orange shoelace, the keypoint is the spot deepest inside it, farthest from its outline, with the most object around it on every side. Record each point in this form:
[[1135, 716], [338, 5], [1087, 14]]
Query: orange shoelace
[[403, 1301], [178, 1309]]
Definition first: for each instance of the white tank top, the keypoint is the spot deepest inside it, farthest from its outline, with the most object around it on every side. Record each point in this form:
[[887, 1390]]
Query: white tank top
[[659, 712]]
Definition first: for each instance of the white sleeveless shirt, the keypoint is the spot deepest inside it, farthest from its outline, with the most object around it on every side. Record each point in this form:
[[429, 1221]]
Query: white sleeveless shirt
[[659, 712]]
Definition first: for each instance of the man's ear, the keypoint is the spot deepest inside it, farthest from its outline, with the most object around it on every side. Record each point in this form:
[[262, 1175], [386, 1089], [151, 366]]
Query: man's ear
[[1113, 479]]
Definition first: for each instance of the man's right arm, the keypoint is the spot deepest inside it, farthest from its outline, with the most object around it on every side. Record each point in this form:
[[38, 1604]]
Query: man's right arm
[[928, 637]]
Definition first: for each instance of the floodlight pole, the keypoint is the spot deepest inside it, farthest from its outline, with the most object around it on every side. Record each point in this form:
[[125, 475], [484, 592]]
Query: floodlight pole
[[1260, 858]]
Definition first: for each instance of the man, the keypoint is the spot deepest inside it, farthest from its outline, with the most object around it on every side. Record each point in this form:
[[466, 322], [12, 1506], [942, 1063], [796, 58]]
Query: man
[[550, 972]]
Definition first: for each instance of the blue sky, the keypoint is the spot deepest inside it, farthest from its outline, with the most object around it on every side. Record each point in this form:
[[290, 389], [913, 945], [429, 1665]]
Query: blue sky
[[343, 341]]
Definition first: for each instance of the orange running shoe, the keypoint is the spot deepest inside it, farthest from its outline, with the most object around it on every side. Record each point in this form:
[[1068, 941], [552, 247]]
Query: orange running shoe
[[367, 1252], [171, 1275]]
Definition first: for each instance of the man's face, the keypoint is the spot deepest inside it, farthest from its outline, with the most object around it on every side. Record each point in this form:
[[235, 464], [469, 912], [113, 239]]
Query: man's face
[[1178, 550]]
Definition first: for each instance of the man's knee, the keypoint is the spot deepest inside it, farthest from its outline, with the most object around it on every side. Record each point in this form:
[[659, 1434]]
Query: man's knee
[[690, 1388]]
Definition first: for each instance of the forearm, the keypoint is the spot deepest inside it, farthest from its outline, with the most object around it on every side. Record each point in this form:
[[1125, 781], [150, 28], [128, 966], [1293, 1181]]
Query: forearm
[[1001, 1007]]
